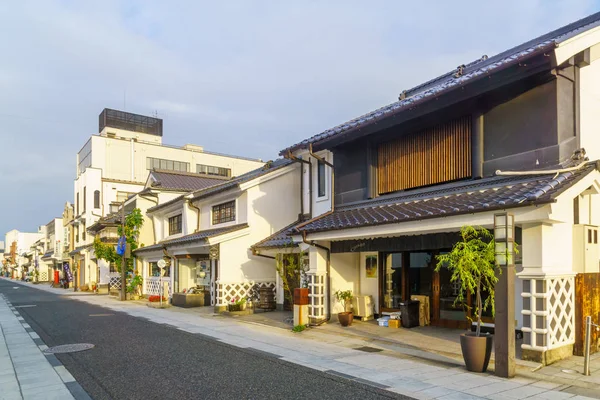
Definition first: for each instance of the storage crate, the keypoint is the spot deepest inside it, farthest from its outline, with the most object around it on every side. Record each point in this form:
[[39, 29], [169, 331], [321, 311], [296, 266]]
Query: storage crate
[[394, 323]]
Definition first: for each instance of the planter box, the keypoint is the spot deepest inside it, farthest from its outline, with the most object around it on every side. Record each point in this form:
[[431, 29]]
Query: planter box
[[188, 300], [165, 304], [238, 313]]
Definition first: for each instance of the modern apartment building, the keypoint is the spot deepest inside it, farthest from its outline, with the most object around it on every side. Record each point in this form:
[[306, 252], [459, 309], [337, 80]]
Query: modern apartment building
[[114, 164]]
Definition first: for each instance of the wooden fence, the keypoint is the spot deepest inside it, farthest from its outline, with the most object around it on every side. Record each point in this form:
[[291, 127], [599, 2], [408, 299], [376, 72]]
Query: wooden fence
[[587, 302]]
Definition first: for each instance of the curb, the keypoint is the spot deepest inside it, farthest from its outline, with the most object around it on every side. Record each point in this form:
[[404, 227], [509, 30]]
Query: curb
[[65, 376]]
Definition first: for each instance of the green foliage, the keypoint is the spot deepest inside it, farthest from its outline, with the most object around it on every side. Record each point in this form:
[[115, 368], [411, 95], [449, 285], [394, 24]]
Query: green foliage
[[290, 269], [237, 304], [344, 297], [134, 284], [299, 328], [472, 262], [133, 223]]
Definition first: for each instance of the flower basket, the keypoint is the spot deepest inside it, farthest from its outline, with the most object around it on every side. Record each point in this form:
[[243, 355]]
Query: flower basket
[[155, 299]]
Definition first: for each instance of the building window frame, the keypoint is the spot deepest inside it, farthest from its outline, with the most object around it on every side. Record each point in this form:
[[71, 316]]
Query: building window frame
[[213, 170], [175, 224], [84, 198], [153, 163], [223, 212], [96, 199], [321, 180]]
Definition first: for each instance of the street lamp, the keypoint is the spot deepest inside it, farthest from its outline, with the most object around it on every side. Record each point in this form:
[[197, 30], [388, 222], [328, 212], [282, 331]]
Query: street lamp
[[504, 301], [504, 238]]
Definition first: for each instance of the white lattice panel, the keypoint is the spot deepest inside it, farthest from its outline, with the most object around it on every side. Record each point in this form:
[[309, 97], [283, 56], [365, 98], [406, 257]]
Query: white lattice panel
[[153, 285], [240, 290], [548, 312], [114, 281], [316, 295], [561, 311], [43, 277]]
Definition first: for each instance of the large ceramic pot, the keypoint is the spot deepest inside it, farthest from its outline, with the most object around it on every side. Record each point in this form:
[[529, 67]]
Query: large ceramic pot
[[345, 318], [476, 350]]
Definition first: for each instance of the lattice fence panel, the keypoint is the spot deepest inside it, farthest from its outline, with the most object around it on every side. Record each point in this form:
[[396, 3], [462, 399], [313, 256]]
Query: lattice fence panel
[[114, 281], [43, 277], [153, 285], [316, 295], [561, 307], [240, 290]]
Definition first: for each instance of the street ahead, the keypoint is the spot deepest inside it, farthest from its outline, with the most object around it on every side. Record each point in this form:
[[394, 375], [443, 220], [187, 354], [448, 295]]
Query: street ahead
[[138, 359]]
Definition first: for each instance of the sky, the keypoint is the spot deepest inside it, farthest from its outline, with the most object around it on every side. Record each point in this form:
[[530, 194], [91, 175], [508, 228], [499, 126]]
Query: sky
[[240, 77]]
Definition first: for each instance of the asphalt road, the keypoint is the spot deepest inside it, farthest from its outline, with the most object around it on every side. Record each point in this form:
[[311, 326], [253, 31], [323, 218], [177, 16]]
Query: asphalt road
[[138, 359]]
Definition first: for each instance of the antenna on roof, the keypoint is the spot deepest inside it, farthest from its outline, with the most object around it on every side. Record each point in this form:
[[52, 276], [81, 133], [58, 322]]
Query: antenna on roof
[[402, 95]]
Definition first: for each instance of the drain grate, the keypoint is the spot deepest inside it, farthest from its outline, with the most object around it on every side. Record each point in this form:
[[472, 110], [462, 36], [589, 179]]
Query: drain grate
[[368, 349], [69, 348]]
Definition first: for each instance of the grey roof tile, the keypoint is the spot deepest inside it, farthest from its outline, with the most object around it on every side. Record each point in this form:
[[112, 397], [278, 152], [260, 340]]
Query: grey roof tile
[[279, 239], [183, 181], [193, 237], [464, 197]]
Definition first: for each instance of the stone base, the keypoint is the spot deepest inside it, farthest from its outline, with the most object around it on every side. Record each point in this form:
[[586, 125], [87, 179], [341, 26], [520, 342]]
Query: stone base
[[220, 309], [165, 304], [238, 313], [547, 357]]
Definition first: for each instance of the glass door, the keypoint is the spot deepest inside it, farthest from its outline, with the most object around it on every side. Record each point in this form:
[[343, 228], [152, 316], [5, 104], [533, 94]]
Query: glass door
[[392, 282]]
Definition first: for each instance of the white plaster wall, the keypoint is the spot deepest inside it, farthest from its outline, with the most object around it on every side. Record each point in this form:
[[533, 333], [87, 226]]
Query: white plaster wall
[[589, 106], [269, 206], [369, 286], [344, 276]]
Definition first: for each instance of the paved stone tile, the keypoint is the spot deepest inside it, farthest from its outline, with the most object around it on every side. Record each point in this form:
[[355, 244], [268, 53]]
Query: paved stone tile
[[552, 395], [460, 396]]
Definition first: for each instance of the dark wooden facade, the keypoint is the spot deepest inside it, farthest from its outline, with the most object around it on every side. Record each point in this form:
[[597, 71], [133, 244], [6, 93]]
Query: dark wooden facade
[[438, 154]]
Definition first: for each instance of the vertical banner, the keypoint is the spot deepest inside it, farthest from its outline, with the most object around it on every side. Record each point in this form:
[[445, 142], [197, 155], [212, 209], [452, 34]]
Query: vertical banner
[[67, 270]]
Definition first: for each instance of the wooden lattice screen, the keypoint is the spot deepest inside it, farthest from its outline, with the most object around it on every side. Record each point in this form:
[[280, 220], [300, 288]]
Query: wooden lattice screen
[[438, 154]]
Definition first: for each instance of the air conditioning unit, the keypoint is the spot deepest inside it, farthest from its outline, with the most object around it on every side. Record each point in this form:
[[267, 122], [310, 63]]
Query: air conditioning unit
[[585, 249], [363, 307]]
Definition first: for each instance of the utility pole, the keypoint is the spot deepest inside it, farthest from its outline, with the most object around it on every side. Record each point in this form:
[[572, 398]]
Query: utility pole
[[123, 261]]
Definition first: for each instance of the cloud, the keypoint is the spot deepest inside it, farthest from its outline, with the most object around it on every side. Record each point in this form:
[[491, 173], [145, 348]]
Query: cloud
[[246, 78]]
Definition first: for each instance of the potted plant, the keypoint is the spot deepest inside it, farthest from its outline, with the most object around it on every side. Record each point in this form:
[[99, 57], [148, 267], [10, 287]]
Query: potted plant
[[133, 288], [345, 297], [473, 266]]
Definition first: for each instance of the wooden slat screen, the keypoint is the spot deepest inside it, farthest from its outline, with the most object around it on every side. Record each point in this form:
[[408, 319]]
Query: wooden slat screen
[[438, 154]]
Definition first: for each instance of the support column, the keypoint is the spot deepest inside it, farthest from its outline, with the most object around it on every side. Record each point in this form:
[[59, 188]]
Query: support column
[[504, 331]]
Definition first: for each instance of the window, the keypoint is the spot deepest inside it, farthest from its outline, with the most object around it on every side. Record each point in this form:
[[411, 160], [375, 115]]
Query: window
[[175, 224], [84, 196], [83, 232], [77, 202], [159, 163], [321, 179], [223, 212], [210, 170], [123, 196], [155, 271], [96, 199], [77, 234]]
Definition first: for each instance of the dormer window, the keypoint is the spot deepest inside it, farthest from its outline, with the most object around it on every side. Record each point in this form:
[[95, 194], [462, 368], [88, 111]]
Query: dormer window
[[222, 213], [321, 179], [175, 224]]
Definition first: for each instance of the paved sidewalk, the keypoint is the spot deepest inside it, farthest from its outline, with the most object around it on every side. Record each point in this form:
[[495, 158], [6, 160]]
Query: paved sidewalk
[[393, 371], [25, 372]]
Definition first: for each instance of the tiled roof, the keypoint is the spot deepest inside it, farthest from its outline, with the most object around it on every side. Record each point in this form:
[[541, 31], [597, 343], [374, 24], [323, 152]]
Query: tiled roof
[[465, 197], [232, 183], [202, 235], [453, 80], [48, 254], [235, 182], [108, 220], [78, 249], [279, 239], [183, 181]]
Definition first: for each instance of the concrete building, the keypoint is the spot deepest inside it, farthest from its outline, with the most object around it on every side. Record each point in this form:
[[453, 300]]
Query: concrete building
[[114, 164], [17, 247]]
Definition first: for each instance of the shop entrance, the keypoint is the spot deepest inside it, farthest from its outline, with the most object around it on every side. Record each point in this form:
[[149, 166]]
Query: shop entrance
[[411, 275]]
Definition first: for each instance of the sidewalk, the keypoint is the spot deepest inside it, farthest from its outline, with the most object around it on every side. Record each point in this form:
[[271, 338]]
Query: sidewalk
[[356, 358], [25, 372]]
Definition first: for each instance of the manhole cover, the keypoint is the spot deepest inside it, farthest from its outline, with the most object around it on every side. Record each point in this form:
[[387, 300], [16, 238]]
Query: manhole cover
[[69, 348], [101, 315], [368, 349], [15, 287], [26, 306]]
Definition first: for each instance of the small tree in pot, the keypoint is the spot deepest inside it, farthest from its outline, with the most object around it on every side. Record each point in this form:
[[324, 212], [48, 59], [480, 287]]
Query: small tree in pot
[[345, 297], [473, 266]]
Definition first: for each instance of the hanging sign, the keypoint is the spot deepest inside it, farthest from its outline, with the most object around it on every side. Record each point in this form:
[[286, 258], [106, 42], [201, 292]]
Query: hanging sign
[[121, 246], [213, 252]]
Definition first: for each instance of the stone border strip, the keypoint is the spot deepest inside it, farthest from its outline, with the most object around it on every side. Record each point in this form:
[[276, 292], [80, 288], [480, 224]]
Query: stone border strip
[[71, 384]]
